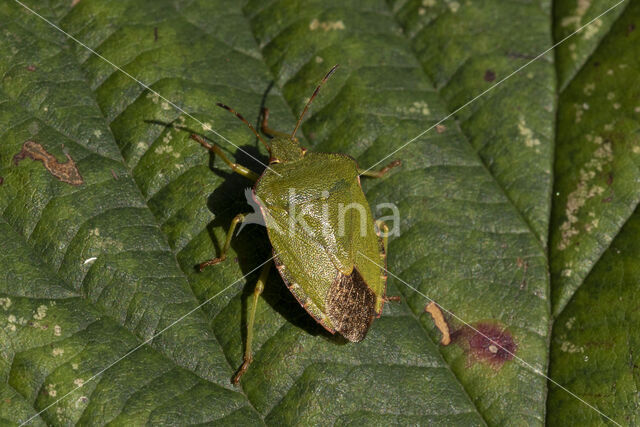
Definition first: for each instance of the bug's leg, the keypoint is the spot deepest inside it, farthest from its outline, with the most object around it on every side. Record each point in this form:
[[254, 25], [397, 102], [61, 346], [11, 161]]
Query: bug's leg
[[381, 172], [271, 132], [383, 228], [248, 358], [239, 169], [223, 254]]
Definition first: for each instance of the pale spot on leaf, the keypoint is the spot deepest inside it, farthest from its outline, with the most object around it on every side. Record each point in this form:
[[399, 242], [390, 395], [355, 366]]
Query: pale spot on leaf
[[51, 390], [570, 322], [568, 347], [592, 29], [326, 25], [41, 312], [585, 190], [589, 88]]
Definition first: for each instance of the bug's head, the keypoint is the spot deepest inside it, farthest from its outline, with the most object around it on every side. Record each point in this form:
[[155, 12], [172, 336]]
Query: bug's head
[[284, 149]]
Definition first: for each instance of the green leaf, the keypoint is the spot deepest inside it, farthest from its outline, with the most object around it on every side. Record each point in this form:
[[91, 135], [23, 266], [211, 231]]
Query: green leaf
[[466, 48], [143, 205], [110, 207], [462, 239], [594, 229], [597, 165], [569, 17], [54, 340]]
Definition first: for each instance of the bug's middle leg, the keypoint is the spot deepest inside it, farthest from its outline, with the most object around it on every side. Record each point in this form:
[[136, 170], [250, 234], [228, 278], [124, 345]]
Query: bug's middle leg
[[381, 172], [223, 254], [271, 132], [383, 228], [248, 357]]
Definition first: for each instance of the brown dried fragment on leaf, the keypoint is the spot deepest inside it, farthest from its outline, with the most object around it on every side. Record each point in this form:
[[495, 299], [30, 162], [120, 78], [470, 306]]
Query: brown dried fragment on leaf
[[433, 309], [66, 172]]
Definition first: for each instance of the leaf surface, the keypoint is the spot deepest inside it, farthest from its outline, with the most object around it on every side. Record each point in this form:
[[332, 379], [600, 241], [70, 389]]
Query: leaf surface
[[597, 166], [596, 344], [126, 240], [480, 61], [463, 242], [594, 227], [505, 209]]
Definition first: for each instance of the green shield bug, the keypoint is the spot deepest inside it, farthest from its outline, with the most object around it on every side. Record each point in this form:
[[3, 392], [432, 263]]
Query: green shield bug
[[324, 252]]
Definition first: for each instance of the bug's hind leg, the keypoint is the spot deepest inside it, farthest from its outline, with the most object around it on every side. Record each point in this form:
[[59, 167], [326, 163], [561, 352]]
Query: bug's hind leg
[[248, 357], [382, 230], [271, 132], [223, 254], [239, 169], [381, 172]]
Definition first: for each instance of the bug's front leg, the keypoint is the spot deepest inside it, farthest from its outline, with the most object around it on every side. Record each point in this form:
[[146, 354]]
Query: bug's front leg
[[381, 172], [223, 254], [239, 169], [248, 357]]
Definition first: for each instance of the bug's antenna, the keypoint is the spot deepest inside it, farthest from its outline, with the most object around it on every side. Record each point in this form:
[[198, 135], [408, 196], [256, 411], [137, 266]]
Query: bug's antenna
[[238, 115], [315, 92]]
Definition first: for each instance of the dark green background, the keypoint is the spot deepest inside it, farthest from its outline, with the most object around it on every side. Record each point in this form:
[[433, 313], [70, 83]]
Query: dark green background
[[517, 211]]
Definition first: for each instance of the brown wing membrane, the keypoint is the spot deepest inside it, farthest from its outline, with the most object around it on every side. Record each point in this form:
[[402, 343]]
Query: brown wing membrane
[[351, 305]]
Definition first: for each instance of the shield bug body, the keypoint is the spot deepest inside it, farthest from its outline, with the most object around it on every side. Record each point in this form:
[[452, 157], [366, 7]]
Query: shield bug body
[[326, 245]]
